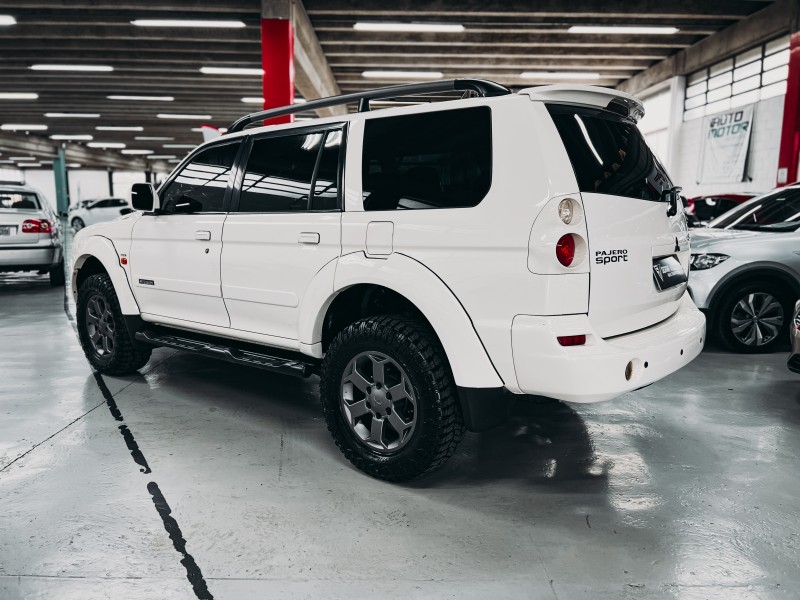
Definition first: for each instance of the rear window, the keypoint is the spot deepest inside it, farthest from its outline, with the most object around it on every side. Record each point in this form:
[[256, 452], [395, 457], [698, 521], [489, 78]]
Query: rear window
[[19, 201], [608, 154]]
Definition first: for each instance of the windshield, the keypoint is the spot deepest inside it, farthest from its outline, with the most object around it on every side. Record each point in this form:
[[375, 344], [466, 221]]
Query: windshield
[[19, 201], [776, 211]]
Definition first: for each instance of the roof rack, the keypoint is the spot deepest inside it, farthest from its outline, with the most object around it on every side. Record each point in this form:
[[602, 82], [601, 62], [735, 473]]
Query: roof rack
[[481, 87]]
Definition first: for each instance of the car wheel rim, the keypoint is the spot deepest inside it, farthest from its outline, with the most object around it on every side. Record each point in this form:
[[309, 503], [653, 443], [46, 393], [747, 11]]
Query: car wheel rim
[[100, 325], [77, 224], [378, 402], [757, 319]]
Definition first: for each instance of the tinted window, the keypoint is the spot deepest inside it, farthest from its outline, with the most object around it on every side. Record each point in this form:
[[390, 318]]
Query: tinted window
[[777, 211], [101, 204], [200, 185], [279, 173], [608, 154], [19, 201], [432, 160], [326, 183]]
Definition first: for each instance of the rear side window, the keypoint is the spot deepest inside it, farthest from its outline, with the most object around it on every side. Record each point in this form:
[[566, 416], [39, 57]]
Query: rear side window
[[200, 186], [608, 154], [440, 159]]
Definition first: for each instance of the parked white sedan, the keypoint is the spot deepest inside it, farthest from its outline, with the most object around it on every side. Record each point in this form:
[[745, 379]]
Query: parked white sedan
[[89, 212]]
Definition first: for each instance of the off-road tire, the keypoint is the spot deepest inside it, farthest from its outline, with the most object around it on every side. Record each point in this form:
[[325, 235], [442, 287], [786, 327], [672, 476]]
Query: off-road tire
[[414, 347], [722, 326], [57, 275], [125, 357]]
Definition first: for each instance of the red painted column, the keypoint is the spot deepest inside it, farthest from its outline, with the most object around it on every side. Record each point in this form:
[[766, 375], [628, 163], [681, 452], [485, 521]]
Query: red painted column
[[790, 132], [277, 60]]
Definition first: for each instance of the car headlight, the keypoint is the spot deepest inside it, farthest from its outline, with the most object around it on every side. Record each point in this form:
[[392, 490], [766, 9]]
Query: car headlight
[[700, 262]]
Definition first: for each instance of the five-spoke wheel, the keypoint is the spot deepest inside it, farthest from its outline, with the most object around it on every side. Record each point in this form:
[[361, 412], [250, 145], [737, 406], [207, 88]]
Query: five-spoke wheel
[[100, 325]]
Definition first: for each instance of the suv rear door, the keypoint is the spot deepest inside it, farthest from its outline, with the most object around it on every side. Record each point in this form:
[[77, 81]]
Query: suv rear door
[[638, 247]]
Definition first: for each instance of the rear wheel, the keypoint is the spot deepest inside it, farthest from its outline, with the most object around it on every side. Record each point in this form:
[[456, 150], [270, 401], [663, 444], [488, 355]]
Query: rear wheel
[[389, 398], [101, 329], [78, 224], [753, 317]]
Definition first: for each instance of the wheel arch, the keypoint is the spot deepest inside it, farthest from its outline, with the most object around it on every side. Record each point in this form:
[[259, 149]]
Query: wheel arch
[[758, 272], [97, 254]]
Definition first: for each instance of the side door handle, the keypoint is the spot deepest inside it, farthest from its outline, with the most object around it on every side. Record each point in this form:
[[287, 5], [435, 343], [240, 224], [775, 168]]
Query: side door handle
[[202, 236], [308, 237]]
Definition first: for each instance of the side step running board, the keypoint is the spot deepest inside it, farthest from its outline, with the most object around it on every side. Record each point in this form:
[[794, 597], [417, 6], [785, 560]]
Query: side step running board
[[229, 353]]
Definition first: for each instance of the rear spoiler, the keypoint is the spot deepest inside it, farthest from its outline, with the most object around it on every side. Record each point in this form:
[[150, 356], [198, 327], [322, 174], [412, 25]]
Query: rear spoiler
[[589, 95]]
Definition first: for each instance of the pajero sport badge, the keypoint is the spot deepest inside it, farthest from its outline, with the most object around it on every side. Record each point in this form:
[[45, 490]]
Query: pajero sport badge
[[603, 257]]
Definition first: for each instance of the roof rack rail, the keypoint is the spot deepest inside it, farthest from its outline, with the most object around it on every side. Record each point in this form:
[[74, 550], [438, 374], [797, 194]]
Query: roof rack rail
[[481, 87]]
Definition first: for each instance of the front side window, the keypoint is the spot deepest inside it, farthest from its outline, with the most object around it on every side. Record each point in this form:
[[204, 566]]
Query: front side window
[[438, 159], [200, 186], [19, 201], [608, 154]]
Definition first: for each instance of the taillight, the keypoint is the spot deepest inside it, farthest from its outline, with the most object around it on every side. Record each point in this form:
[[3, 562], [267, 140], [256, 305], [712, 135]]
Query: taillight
[[565, 249], [37, 226], [572, 340]]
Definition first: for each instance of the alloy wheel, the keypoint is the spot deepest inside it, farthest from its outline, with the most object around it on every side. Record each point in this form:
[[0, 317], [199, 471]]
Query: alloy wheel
[[100, 325], [757, 319]]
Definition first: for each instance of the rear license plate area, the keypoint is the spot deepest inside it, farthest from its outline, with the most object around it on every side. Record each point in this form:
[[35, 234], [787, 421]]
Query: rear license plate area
[[668, 273], [7, 230]]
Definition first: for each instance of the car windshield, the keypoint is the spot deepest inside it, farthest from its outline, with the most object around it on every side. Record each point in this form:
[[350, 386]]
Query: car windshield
[[19, 201], [777, 211]]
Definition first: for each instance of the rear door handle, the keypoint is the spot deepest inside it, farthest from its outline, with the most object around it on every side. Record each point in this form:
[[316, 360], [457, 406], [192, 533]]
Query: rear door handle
[[203, 236], [308, 237]]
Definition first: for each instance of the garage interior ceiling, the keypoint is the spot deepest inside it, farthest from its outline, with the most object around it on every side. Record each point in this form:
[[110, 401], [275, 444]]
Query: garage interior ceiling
[[500, 40]]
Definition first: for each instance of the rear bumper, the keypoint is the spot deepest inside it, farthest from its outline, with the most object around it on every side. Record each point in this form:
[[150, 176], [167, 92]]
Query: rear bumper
[[597, 370], [34, 258]]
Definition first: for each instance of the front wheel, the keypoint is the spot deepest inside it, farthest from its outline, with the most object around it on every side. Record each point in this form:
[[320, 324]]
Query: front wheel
[[101, 329], [77, 224], [753, 318], [389, 398]]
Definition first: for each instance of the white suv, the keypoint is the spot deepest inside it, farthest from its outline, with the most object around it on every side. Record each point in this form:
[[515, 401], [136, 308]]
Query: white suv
[[430, 262]]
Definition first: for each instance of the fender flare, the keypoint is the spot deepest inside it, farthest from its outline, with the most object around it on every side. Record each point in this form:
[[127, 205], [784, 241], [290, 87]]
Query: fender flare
[[469, 361], [747, 271], [103, 249]]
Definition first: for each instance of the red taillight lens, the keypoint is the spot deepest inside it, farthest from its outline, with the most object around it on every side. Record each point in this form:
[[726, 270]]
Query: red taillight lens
[[572, 340], [565, 249], [37, 226]]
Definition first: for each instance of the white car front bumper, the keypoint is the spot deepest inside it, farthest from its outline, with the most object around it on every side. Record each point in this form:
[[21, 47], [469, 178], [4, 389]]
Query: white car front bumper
[[597, 371]]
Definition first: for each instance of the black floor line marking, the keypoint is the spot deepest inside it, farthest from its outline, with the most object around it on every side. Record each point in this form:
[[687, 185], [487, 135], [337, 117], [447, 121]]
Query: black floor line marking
[[193, 572]]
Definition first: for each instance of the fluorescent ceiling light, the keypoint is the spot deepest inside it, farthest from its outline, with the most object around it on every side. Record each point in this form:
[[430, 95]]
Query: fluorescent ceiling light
[[181, 116], [22, 127], [185, 23], [230, 71], [18, 96], [22, 158], [180, 145], [252, 100], [410, 27], [71, 115], [105, 145], [143, 98], [559, 75], [299, 101], [160, 156], [6, 162], [29, 165], [148, 138], [74, 165], [622, 29], [7, 20], [71, 137], [137, 152], [402, 74], [102, 68], [113, 128], [174, 160]]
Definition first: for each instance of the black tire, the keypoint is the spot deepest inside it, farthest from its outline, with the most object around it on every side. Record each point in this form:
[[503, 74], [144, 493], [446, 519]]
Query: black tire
[[77, 224], [57, 275], [415, 349], [727, 311], [123, 357]]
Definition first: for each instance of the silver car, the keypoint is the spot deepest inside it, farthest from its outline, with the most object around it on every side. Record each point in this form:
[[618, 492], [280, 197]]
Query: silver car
[[794, 332], [30, 236], [745, 270]]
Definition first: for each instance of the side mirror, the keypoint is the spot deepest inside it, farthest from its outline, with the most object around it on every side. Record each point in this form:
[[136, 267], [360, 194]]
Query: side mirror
[[144, 197], [672, 196]]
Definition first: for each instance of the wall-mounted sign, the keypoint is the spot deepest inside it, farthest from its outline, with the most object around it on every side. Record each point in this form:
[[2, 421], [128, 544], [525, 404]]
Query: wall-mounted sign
[[726, 140]]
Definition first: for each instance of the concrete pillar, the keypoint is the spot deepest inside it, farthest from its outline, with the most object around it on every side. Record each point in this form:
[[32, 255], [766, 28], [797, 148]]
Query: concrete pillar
[[677, 90], [62, 189], [277, 55], [790, 132]]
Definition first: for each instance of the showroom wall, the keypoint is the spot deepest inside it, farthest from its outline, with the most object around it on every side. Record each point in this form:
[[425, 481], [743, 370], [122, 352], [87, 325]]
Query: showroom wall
[[83, 184]]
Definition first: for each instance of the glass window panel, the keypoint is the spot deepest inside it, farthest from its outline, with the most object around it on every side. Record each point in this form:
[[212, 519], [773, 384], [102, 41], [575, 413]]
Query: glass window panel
[[776, 60], [775, 75], [776, 45], [748, 56], [326, 186], [718, 106], [695, 102], [697, 77], [696, 90], [720, 67], [776, 89], [720, 80], [695, 113], [746, 85], [750, 69], [718, 94], [200, 186], [746, 98]]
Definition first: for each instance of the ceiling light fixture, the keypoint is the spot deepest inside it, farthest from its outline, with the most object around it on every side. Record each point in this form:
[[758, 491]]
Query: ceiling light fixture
[[180, 145], [22, 127], [96, 68], [148, 138], [80, 137], [58, 115], [18, 96], [143, 98], [230, 71], [120, 128], [252, 100], [403, 74], [182, 116], [622, 29], [160, 156], [559, 75], [105, 145], [7, 20], [29, 165], [410, 27], [22, 158], [186, 23], [74, 165], [132, 151]]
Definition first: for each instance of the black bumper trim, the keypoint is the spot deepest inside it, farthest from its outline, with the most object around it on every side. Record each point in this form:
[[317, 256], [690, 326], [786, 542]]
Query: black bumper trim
[[484, 408]]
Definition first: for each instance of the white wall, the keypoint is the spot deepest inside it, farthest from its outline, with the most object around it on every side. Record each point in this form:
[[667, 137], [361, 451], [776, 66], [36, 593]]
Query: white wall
[[84, 184], [762, 159]]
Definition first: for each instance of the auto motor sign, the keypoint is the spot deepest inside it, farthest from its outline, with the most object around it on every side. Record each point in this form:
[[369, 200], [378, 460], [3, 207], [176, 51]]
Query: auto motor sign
[[726, 139]]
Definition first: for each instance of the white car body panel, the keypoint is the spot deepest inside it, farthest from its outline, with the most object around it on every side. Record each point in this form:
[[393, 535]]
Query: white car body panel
[[92, 214]]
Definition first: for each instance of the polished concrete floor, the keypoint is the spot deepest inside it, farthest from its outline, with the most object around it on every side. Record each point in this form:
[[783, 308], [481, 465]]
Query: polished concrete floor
[[200, 479]]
